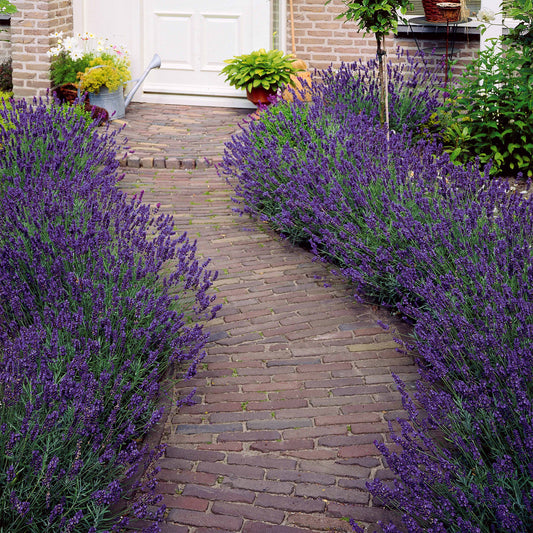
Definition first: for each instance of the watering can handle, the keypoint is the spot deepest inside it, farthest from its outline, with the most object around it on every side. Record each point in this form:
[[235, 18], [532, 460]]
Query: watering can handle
[[154, 63]]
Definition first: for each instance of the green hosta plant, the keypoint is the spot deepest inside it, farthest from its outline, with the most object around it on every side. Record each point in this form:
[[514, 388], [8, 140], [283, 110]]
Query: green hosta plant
[[260, 68]]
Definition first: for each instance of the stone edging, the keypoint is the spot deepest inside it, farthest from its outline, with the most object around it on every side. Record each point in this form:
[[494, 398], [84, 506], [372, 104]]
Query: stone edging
[[162, 161]]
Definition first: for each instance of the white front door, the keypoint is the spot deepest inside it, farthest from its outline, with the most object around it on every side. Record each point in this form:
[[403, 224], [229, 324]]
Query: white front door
[[192, 37]]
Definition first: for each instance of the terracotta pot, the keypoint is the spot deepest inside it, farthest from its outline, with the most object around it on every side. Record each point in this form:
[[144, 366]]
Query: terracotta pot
[[258, 95], [434, 13]]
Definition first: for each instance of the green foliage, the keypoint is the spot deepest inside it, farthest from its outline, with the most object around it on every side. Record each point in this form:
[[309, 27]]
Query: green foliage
[[65, 70], [71, 57], [5, 102], [490, 112], [260, 68], [7, 8], [104, 71], [376, 16], [522, 33]]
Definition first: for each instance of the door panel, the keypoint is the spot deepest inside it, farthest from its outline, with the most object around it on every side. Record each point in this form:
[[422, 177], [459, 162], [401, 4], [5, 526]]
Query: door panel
[[193, 37]]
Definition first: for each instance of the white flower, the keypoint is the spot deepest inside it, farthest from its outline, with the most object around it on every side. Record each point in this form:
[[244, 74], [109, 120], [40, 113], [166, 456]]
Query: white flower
[[485, 15], [70, 43], [54, 51], [57, 35], [76, 53]]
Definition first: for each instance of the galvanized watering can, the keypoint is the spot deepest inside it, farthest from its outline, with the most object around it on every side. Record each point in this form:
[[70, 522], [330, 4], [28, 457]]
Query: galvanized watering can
[[114, 102]]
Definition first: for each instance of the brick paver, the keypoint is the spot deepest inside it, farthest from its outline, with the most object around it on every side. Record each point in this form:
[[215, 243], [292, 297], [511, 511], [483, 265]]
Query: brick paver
[[296, 384]]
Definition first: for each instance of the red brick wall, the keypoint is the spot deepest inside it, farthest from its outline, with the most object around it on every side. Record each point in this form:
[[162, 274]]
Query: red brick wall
[[30, 30], [321, 39]]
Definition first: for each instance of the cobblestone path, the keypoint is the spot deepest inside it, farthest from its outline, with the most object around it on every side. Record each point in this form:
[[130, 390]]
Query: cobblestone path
[[295, 387]]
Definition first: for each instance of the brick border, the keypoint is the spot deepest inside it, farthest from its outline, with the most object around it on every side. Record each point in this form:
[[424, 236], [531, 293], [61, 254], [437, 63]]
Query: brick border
[[167, 162]]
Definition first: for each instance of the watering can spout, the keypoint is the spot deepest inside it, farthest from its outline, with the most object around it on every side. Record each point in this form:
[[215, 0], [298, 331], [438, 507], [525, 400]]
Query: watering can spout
[[154, 63]]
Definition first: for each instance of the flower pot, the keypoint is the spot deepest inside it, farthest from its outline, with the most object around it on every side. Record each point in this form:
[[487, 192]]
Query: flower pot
[[68, 94], [434, 13], [111, 101], [259, 96]]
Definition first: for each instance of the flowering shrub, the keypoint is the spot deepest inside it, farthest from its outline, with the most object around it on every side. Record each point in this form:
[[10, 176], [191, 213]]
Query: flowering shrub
[[449, 249], [87, 327], [354, 88], [77, 58]]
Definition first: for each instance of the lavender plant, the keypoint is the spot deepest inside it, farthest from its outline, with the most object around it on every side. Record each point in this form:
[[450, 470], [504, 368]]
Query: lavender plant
[[447, 248], [413, 90], [87, 327]]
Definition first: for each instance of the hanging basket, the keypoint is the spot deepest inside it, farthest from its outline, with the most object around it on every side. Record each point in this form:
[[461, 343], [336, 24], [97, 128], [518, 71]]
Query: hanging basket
[[435, 14]]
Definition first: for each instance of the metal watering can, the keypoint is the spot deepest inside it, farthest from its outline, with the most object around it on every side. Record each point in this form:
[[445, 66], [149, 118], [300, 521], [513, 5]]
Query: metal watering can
[[114, 102]]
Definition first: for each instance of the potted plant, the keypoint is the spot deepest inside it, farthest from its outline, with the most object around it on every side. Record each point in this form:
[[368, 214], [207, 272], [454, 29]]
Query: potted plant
[[90, 64], [261, 73]]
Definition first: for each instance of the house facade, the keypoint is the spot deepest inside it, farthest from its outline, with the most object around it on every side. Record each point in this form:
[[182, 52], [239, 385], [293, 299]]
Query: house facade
[[193, 37]]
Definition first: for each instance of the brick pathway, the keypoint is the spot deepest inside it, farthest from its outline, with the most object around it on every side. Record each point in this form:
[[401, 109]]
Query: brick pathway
[[172, 136], [296, 384]]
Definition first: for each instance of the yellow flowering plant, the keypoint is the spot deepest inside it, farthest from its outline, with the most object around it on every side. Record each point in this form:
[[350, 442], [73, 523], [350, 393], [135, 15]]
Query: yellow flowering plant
[[88, 62], [104, 71]]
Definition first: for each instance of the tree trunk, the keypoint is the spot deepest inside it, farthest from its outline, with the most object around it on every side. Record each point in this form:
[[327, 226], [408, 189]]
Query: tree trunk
[[383, 83]]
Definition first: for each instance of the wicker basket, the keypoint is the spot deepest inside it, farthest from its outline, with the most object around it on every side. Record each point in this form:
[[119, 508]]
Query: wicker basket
[[68, 93], [434, 13]]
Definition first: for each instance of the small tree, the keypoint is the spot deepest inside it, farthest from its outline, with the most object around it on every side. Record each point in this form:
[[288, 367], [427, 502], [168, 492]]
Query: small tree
[[379, 17]]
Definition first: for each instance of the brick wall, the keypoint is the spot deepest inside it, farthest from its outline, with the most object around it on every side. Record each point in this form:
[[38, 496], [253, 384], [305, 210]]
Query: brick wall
[[30, 30], [321, 39]]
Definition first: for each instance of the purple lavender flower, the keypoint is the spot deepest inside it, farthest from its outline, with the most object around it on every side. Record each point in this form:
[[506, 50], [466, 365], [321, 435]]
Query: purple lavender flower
[[88, 325]]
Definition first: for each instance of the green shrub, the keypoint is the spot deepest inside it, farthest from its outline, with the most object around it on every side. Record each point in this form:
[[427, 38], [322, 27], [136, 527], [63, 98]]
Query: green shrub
[[490, 112], [5, 101]]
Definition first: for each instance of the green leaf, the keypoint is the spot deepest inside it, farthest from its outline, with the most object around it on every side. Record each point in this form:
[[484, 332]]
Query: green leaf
[[455, 153]]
